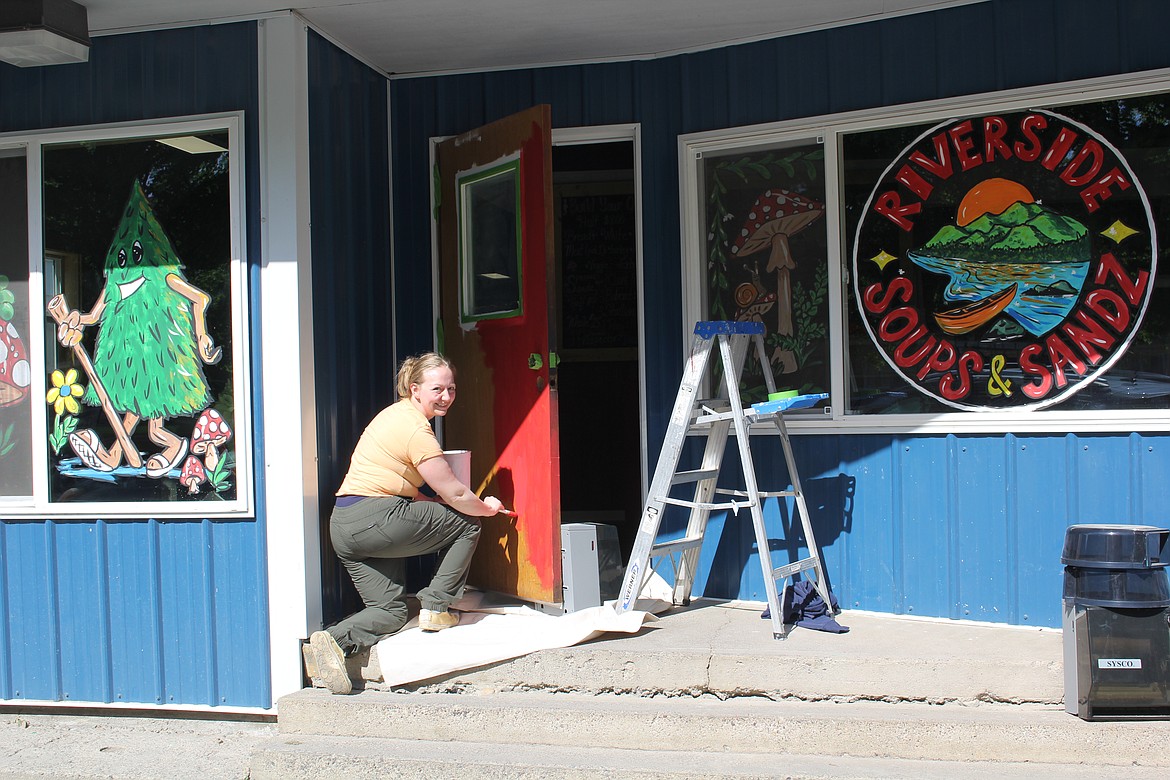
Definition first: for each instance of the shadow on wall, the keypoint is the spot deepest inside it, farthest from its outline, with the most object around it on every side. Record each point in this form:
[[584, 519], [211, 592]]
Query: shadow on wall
[[496, 565], [830, 510], [830, 502]]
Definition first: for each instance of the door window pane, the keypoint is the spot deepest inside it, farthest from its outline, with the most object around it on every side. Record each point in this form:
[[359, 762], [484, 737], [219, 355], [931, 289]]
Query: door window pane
[[489, 242]]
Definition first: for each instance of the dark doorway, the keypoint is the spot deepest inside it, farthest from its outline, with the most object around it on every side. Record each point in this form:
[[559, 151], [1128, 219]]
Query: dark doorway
[[596, 335]]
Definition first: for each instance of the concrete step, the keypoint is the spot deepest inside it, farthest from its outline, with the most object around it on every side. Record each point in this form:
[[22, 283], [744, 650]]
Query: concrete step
[[712, 648], [914, 731], [298, 757]]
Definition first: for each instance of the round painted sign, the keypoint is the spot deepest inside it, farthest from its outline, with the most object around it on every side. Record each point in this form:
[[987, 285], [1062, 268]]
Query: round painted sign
[[1005, 261]]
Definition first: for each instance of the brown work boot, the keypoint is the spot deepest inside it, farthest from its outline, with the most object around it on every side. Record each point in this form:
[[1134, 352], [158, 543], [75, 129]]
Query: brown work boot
[[431, 621], [330, 662]]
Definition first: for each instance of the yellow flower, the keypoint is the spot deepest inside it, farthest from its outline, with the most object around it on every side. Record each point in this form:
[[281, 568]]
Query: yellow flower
[[65, 389]]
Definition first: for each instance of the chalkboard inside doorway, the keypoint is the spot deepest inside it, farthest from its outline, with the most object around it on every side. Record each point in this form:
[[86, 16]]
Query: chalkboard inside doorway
[[596, 258]]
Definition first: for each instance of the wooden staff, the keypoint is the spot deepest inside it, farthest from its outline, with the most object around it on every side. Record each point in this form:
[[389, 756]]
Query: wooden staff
[[60, 310]]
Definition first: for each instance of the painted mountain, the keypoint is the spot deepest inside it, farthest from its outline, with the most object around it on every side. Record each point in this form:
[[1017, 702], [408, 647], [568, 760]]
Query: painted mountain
[[1023, 233]]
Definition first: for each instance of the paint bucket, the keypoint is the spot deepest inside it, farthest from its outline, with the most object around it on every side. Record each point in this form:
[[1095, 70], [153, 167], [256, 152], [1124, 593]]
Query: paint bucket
[[460, 463], [783, 395]]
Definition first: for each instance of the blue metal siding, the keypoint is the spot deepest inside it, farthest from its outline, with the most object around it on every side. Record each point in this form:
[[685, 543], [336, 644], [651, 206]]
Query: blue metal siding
[[1082, 56], [870, 561], [77, 607], [855, 67], [1141, 35], [140, 610], [352, 305], [754, 84], [413, 324], [507, 91], [960, 70], [967, 527], [131, 611], [1025, 48], [704, 101], [562, 92], [609, 88], [906, 42], [803, 71]]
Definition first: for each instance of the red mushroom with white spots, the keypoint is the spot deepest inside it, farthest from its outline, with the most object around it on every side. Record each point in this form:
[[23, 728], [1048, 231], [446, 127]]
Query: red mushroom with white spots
[[15, 372], [210, 434], [774, 218], [193, 475]]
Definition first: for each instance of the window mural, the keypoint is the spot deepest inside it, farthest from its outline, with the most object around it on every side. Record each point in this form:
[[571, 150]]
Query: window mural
[[15, 369], [1005, 260], [141, 387], [1001, 260], [766, 258]]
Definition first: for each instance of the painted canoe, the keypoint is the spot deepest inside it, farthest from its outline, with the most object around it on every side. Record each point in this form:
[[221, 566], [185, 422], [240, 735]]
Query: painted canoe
[[970, 316]]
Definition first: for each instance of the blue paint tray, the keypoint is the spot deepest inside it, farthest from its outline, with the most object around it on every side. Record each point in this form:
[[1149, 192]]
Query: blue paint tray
[[786, 404]]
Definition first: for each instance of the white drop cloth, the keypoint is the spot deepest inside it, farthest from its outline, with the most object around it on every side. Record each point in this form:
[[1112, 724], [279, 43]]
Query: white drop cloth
[[492, 630]]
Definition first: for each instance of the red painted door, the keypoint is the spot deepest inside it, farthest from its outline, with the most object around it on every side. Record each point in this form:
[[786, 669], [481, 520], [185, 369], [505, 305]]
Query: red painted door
[[495, 235]]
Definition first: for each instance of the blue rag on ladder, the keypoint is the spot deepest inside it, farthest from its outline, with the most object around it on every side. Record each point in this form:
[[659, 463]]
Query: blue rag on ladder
[[803, 606]]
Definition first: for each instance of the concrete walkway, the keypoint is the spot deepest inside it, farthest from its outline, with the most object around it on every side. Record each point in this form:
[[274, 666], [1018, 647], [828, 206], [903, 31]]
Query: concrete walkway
[[727, 649], [88, 747], [705, 691]]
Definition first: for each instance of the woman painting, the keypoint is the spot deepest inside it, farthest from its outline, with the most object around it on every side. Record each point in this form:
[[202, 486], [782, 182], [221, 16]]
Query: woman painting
[[379, 519]]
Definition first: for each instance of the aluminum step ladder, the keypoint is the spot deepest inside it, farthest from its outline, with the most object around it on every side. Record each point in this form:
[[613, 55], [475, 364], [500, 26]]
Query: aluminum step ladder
[[718, 417]]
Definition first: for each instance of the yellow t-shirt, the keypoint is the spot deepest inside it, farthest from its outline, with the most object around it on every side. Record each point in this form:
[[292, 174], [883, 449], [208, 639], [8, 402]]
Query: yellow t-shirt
[[385, 461]]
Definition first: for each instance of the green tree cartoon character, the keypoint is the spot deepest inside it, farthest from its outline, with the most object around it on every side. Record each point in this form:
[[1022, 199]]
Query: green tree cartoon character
[[151, 343]]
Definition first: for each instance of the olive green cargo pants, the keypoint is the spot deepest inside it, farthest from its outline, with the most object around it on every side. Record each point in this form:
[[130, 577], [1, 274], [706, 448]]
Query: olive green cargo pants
[[374, 537]]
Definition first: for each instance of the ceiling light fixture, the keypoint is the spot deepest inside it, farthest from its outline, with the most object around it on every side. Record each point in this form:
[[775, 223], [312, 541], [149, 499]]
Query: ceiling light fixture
[[43, 32]]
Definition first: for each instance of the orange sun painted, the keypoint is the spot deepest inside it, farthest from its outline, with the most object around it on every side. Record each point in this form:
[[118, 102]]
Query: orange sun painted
[[990, 196]]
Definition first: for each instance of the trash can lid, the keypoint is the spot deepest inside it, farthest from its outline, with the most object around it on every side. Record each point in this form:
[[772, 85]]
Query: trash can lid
[[1132, 588], [1116, 547]]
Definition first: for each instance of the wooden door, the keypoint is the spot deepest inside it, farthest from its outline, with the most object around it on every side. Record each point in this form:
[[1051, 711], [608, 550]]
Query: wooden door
[[495, 234]]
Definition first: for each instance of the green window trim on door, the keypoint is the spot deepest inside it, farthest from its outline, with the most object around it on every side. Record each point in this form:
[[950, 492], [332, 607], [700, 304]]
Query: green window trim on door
[[488, 215]]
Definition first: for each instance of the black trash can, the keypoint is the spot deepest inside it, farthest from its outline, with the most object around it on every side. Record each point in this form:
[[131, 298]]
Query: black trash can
[[1116, 622]]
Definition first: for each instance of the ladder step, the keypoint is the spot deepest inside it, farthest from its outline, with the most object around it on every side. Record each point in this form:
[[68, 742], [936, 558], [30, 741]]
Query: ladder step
[[761, 494], [783, 572], [675, 545], [697, 475], [734, 506], [706, 419]]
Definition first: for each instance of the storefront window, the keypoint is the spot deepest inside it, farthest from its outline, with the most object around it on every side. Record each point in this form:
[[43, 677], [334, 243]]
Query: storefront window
[[766, 258], [143, 383], [15, 368], [960, 263]]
